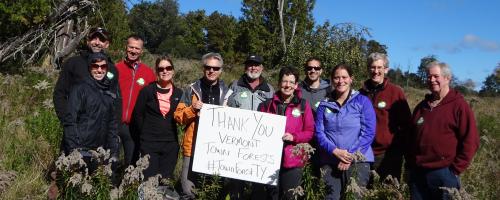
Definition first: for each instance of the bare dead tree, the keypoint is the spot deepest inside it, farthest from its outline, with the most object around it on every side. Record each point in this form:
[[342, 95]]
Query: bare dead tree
[[282, 25], [280, 13], [59, 35]]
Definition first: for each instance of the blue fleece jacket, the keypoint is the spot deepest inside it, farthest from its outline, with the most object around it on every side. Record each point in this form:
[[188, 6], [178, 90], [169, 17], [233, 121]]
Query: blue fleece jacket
[[350, 127]]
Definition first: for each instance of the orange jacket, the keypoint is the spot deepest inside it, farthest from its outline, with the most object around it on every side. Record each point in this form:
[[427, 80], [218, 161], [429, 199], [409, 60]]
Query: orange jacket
[[186, 115]]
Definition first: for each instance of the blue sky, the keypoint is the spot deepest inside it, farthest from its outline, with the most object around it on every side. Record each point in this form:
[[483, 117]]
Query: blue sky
[[463, 33]]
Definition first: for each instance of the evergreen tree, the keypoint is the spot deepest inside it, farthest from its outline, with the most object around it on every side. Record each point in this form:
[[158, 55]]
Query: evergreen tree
[[110, 14], [266, 32], [159, 24], [17, 17], [491, 85], [194, 23], [221, 35], [422, 71]]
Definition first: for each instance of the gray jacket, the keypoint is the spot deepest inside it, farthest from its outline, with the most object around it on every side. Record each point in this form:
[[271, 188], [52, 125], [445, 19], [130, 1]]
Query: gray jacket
[[315, 95], [242, 96]]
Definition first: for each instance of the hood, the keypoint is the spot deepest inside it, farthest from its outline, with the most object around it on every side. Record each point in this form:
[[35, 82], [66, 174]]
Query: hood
[[330, 103], [263, 86], [368, 86], [323, 84], [297, 95], [450, 97]]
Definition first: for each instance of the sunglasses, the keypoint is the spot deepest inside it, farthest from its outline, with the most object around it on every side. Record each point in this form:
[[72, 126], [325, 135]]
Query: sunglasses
[[216, 69], [168, 68], [95, 66], [310, 68]]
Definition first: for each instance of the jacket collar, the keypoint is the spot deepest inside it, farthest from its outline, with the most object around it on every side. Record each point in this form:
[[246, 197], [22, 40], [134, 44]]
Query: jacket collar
[[323, 84], [369, 87], [243, 82]]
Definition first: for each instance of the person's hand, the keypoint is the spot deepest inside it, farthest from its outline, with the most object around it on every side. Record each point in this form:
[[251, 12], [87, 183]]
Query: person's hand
[[187, 185], [343, 166], [287, 137], [197, 105], [343, 155]]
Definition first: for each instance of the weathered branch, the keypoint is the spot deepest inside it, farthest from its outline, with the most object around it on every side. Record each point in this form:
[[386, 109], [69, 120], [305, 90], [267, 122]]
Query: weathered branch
[[59, 31], [280, 13]]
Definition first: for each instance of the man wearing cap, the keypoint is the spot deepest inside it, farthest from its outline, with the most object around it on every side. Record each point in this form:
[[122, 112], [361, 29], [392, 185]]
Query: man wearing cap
[[75, 70], [208, 89], [314, 89], [248, 92], [251, 88], [134, 75], [90, 121]]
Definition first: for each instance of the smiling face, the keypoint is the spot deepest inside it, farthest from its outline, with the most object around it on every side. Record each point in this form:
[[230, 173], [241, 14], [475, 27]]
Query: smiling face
[[253, 70], [165, 71], [313, 70], [341, 81], [377, 71], [99, 69], [212, 69], [436, 81], [134, 49], [288, 84], [97, 44]]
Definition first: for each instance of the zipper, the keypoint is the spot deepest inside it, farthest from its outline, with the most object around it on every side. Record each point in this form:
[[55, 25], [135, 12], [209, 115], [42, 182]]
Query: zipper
[[130, 94]]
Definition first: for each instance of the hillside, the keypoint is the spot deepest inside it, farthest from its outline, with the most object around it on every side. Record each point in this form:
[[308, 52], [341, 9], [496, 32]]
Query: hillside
[[30, 132]]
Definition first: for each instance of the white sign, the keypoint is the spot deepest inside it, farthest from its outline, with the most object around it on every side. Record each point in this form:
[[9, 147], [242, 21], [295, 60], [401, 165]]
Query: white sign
[[239, 144]]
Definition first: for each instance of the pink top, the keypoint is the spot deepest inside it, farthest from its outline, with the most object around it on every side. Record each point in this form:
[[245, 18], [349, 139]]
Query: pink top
[[164, 101]]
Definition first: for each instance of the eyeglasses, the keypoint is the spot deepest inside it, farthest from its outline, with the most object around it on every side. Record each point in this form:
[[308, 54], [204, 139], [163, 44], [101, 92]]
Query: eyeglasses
[[95, 66], [215, 69], [373, 68], [168, 68], [310, 68], [288, 82]]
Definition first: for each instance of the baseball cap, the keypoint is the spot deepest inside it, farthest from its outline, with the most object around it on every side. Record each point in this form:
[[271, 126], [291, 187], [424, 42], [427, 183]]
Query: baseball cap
[[99, 32], [254, 58]]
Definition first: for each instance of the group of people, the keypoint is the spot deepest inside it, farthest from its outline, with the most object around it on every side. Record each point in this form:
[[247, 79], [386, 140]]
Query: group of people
[[354, 131]]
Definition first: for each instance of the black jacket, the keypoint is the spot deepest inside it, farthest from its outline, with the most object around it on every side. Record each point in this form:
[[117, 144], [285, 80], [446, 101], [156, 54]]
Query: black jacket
[[74, 71], [90, 119], [148, 122]]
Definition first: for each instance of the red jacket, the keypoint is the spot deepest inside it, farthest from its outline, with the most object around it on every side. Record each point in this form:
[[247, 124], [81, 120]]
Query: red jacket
[[393, 115], [444, 136], [131, 82]]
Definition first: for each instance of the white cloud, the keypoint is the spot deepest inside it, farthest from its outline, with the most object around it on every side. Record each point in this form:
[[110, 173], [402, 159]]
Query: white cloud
[[469, 41], [473, 41]]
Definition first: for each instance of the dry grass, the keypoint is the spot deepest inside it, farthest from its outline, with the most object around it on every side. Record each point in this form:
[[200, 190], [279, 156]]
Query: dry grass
[[29, 130]]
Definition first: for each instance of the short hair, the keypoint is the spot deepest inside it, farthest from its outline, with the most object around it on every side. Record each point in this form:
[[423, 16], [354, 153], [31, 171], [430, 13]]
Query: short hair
[[445, 68], [163, 57], [135, 37], [311, 59], [341, 66], [212, 55], [289, 71], [378, 56]]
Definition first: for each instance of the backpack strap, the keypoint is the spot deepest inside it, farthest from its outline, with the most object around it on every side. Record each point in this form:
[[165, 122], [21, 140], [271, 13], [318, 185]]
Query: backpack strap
[[302, 105]]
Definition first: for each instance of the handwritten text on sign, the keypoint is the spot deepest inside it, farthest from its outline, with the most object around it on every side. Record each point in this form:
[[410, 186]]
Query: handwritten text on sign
[[239, 144]]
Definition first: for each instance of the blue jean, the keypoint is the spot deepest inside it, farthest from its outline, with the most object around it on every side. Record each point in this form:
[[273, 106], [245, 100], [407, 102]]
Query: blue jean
[[337, 181], [426, 183]]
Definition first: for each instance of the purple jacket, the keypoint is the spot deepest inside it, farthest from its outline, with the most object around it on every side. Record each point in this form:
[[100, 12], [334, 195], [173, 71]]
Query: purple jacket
[[350, 127], [299, 123]]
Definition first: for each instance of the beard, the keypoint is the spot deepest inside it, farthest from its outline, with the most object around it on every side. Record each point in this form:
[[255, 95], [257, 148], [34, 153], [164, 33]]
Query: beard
[[255, 75]]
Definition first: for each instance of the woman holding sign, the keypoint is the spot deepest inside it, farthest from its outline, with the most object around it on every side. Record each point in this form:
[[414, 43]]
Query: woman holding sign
[[299, 129], [345, 128], [154, 123]]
